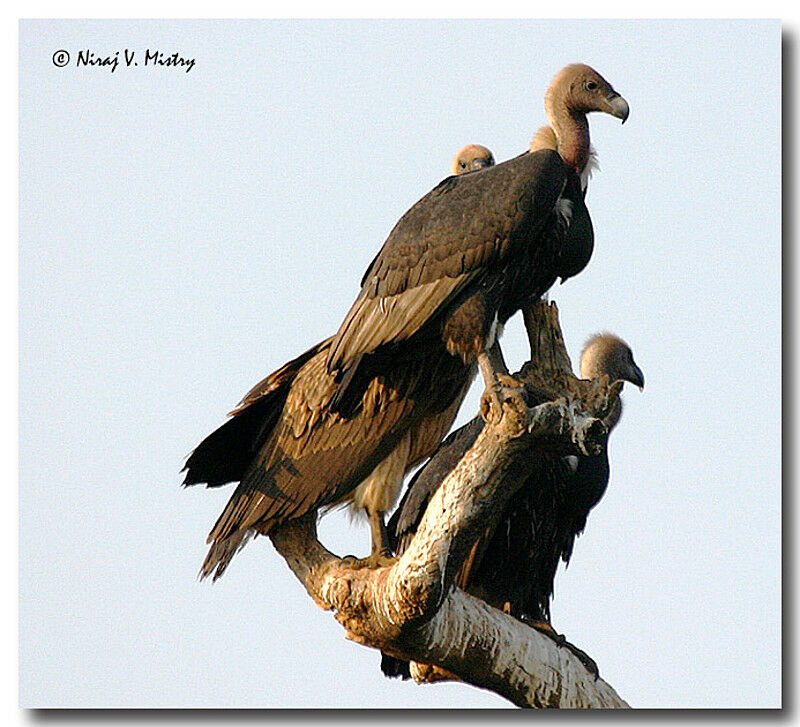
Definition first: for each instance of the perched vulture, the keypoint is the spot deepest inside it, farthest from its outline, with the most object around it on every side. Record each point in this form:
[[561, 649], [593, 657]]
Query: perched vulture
[[472, 158], [513, 565], [226, 454], [457, 265]]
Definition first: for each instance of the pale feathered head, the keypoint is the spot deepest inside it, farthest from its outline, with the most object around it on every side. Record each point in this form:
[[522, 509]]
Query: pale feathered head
[[605, 353], [578, 88], [472, 158]]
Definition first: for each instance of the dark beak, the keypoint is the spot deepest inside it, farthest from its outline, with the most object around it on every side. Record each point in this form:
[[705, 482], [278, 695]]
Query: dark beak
[[637, 377], [619, 107], [480, 164]]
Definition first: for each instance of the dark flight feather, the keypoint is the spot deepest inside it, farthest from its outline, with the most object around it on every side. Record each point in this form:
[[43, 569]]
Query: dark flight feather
[[225, 454]]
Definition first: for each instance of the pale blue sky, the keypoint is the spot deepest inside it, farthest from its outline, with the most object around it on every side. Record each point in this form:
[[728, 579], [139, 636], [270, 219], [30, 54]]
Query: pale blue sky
[[182, 235]]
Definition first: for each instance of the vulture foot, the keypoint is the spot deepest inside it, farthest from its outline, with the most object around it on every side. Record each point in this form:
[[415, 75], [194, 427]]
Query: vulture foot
[[545, 628], [492, 400], [373, 561]]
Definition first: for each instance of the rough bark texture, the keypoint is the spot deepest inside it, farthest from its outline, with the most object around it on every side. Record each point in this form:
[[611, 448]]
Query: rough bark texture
[[411, 609]]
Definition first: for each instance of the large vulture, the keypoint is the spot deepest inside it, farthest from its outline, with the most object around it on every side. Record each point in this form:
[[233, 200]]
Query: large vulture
[[461, 261], [513, 565], [226, 454]]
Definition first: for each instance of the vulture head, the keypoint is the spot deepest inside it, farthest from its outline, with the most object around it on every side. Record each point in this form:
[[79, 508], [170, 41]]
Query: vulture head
[[472, 158], [605, 353], [579, 89], [576, 91]]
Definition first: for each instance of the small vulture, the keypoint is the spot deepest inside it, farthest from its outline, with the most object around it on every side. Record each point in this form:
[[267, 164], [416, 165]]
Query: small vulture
[[457, 265], [472, 158], [513, 565]]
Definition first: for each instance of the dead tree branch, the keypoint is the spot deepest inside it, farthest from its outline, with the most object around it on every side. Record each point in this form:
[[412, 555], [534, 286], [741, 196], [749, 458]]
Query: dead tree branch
[[411, 609]]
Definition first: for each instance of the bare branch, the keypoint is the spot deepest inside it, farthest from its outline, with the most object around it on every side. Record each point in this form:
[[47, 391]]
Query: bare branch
[[411, 609]]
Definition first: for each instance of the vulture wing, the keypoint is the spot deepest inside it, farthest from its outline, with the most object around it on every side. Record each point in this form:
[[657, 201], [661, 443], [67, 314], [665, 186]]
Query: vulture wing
[[313, 457], [403, 524], [451, 238], [225, 454], [284, 375]]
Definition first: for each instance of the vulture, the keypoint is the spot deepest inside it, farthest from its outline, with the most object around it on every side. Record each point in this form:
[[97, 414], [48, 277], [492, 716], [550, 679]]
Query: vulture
[[382, 393], [512, 566], [472, 158], [225, 455]]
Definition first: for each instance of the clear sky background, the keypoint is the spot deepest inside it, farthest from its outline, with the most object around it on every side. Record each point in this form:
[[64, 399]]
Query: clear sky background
[[182, 235]]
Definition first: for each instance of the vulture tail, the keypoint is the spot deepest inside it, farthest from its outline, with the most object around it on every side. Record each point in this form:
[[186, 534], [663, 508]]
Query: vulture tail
[[221, 552], [393, 667], [224, 455]]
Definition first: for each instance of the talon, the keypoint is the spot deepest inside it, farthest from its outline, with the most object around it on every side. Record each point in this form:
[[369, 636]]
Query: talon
[[380, 536], [499, 385], [376, 560], [504, 388], [509, 383], [584, 658], [543, 627], [490, 401]]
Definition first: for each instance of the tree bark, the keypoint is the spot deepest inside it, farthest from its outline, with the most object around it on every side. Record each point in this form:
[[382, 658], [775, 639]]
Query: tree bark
[[411, 609]]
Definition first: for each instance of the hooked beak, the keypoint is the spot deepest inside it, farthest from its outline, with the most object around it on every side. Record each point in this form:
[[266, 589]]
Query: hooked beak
[[619, 107], [637, 377], [479, 164]]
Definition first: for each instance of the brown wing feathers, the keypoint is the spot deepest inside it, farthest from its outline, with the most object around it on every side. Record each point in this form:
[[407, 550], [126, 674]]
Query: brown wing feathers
[[225, 454], [315, 456], [445, 243], [283, 376]]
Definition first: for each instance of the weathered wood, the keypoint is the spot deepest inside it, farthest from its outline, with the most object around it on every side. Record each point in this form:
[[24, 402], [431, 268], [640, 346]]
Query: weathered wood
[[411, 609]]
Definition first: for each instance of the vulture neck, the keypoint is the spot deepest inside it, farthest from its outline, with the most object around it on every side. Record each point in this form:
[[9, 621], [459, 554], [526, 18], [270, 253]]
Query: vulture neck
[[572, 132], [613, 417]]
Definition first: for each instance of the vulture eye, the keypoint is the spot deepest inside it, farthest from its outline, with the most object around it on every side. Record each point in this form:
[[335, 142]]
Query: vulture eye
[[591, 85], [463, 165]]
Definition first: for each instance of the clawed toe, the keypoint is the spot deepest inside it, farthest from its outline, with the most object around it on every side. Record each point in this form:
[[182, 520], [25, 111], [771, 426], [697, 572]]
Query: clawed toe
[[584, 658], [490, 402], [376, 560], [545, 628], [505, 388]]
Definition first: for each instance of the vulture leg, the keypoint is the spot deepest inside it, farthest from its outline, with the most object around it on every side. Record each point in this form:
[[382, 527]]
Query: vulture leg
[[378, 493], [543, 627], [380, 536], [496, 378], [496, 356]]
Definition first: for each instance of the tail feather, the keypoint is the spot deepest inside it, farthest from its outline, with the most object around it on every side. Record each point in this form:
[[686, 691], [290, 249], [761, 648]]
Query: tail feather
[[225, 454], [393, 667], [221, 552]]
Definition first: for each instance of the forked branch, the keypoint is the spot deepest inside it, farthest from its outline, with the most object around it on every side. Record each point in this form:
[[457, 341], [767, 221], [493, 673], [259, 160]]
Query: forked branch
[[411, 609]]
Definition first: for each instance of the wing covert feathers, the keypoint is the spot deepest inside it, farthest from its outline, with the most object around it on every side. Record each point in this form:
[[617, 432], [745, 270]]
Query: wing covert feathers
[[315, 456], [447, 241]]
